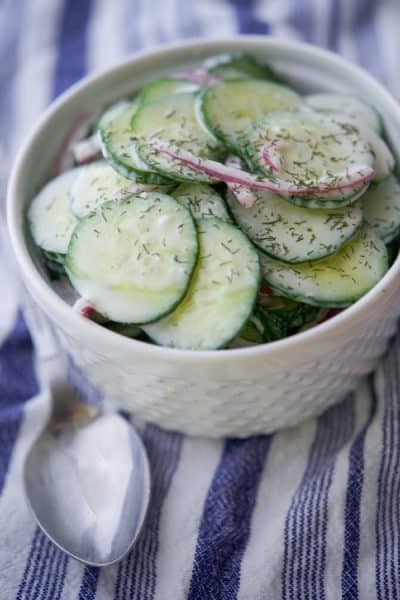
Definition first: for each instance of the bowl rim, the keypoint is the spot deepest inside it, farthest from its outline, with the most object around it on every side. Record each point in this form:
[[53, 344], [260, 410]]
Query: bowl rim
[[99, 336]]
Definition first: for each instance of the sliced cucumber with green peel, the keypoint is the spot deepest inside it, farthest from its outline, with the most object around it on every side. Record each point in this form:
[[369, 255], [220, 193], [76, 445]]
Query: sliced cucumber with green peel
[[348, 105], [381, 207], [94, 185], [235, 65], [54, 263], [219, 208], [292, 234], [173, 120], [264, 326], [329, 199], [393, 250], [309, 150], [230, 107], [282, 318], [252, 332], [202, 201], [165, 86], [221, 295], [50, 219], [133, 260], [127, 330], [294, 314], [384, 159], [336, 281], [117, 143], [384, 162]]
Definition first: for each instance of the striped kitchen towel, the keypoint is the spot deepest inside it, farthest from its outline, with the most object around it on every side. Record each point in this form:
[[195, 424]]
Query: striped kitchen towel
[[308, 513]]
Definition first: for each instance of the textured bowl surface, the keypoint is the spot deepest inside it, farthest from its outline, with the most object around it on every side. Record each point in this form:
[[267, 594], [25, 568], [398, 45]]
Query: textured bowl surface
[[230, 392]]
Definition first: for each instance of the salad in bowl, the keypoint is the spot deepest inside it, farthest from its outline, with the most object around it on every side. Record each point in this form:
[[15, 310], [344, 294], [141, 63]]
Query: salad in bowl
[[218, 207]]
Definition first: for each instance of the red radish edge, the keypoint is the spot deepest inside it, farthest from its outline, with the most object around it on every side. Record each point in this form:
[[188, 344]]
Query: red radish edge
[[220, 172]]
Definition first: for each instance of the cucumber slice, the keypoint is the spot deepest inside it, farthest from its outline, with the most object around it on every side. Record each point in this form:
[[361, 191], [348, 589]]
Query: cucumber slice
[[50, 219], [202, 201], [381, 206], [294, 314], [393, 250], [133, 260], [330, 200], [230, 107], [173, 120], [282, 318], [221, 295], [266, 326], [384, 159], [117, 144], [166, 86], [293, 234], [348, 105], [127, 330], [235, 65], [384, 162], [54, 263], [94, 185], [312, 150], [252, 332], [336, 281]]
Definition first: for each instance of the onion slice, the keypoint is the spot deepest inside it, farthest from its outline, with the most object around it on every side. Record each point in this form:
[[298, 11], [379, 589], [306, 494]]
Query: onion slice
[[64, 159], [87, 150], [269, 154], [85, 309], [243, 195], [199, 76], [355, 179]]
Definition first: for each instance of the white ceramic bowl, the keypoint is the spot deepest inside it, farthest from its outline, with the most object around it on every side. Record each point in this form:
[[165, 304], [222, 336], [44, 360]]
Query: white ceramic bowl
[[226, 392]]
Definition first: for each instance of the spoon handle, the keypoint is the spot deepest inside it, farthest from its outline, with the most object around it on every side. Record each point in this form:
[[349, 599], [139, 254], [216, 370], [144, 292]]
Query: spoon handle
[[67, 407]]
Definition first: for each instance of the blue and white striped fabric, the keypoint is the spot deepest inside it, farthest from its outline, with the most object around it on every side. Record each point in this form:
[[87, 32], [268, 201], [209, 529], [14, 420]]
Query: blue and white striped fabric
[[308, 513]]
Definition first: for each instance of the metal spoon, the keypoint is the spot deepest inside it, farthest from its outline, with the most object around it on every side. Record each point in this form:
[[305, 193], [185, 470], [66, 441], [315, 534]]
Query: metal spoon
[[86, 477]]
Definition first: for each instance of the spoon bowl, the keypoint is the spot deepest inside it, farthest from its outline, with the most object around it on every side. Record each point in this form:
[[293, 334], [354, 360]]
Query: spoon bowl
[[86, 477], [88, 487]]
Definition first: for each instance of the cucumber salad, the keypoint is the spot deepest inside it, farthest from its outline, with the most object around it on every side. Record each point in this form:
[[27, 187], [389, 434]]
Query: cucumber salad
[[219, 208]]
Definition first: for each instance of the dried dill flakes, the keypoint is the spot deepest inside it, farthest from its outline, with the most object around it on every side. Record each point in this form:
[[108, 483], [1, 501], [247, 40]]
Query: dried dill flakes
[[134, 278], [295, 234], [337, 280], [313, 246], [221, 293], [320, 151]]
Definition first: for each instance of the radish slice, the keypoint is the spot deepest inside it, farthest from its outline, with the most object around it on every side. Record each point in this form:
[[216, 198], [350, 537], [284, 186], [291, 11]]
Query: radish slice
[[355, 179], [269, 154], [87, 150]]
